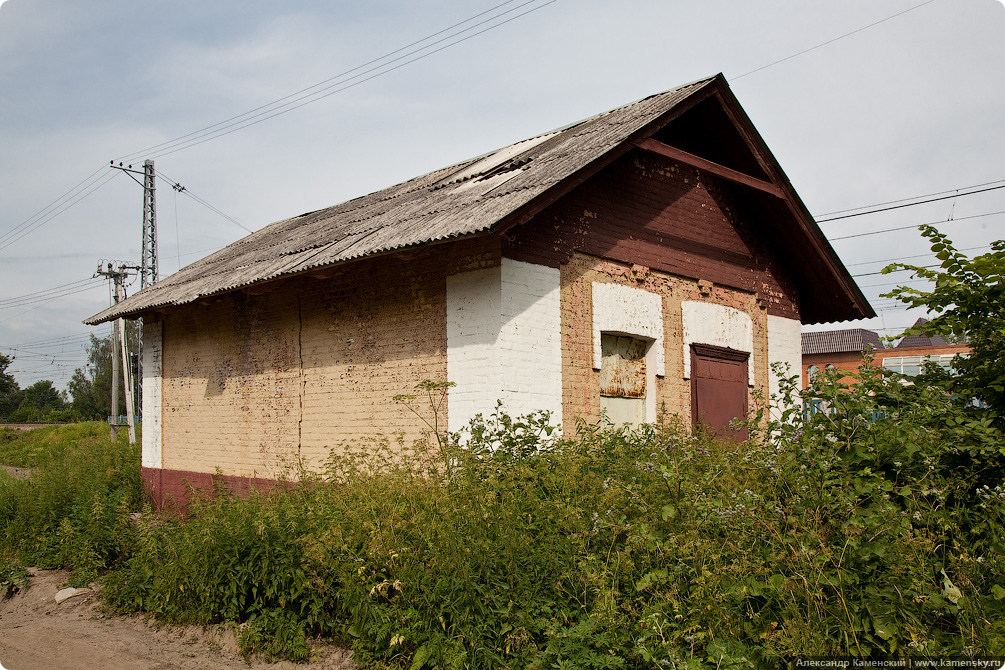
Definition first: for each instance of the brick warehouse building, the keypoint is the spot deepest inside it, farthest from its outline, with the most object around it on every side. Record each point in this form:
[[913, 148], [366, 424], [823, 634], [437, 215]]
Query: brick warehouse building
[[654, 254]]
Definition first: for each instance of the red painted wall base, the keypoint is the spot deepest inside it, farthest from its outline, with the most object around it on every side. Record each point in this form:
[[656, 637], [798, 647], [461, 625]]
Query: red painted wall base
[[172, 489]]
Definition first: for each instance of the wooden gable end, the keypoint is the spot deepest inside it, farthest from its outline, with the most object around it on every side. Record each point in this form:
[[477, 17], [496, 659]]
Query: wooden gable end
[[651, 210], [700, 189]]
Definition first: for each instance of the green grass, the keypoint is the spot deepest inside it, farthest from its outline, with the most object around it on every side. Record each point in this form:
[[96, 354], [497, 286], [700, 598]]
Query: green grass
[[43, 445], [74, 510]]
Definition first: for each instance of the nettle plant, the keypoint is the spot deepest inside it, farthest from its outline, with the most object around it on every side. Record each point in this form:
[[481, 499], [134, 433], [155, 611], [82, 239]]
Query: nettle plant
[[876, 485]]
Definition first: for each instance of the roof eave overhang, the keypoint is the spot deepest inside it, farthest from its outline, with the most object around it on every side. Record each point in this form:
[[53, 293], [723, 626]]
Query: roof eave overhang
[[259, 287]]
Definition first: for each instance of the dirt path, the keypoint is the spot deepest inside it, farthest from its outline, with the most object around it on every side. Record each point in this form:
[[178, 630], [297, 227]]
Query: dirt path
[[37, 633]]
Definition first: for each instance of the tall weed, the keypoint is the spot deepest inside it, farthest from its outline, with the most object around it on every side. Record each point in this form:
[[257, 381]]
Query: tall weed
[[74, 509], [863, 530]]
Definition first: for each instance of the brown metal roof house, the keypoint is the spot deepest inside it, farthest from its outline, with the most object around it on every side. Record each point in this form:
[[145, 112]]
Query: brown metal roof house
[[843, 349], [655, 254]]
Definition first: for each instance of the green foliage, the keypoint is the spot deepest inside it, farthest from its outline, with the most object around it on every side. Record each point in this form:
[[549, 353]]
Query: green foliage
[[13, 578], [869, 526], [274, 634], [74, 510], [968, 302], [10, 392], [865, 529], [41, 403], [90, 387]]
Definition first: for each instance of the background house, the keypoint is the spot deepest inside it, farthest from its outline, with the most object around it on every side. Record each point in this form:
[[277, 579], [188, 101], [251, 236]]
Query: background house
[[843, 349], [639, 259]]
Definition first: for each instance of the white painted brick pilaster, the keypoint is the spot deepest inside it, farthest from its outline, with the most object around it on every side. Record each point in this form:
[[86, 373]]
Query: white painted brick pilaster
[[784, 346], [504, 341], [151, 434]]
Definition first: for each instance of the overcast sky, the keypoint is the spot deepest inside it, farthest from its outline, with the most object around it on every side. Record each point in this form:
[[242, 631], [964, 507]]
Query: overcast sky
[[893, 109]]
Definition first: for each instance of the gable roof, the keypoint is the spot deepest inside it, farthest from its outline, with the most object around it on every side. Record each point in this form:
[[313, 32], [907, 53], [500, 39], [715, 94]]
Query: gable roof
[[491, 193], [854, 340], [916, 341]]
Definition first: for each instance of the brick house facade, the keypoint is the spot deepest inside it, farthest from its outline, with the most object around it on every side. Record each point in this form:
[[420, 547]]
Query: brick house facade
[[635, 260]]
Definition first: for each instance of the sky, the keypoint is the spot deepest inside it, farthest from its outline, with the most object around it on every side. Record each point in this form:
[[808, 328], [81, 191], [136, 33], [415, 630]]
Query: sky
[[862, 102]]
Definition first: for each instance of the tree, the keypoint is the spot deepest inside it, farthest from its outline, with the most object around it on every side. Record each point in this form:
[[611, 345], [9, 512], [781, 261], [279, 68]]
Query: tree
[[43, 396], [967, 303], [10, 392], [91, 386]]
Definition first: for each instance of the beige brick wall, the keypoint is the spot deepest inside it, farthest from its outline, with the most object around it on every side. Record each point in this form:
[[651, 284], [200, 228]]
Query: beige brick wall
[[251, 382], [581, 383]]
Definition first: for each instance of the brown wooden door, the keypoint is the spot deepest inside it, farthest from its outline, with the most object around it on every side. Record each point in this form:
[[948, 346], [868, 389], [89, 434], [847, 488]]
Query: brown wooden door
[[718, 388]]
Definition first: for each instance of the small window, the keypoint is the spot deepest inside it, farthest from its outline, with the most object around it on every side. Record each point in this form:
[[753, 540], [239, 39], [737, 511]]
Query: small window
[[912, 366], [623, 378], [812, 372]]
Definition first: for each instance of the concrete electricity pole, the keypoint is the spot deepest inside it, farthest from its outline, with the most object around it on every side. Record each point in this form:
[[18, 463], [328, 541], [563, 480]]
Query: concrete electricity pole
[[148, 265], [148, 273], [117, 275]]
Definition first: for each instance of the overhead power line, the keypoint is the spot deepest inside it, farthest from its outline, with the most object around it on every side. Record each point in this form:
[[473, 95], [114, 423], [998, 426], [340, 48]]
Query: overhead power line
[[906, 258], [50, 294], [184, 190], [47, 208], [835, 39], [911, 204], [932, 223], [916, 197], [55, 341], [343, 81], [313, 86], [55, 208], [285, 104], [879, 272]]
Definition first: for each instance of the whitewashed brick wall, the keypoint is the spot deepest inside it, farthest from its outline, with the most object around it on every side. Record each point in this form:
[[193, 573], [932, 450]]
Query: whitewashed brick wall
[[504, 341], [720, 326], [626, 310], [784, 346], [152, 446], [530, 339]]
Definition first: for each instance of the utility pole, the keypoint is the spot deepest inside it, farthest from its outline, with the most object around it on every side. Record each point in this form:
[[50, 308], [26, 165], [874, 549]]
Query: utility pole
[[148, 273], [148, 265], [118, 275]]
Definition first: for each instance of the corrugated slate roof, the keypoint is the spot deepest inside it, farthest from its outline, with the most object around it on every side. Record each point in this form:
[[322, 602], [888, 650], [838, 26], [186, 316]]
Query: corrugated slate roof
[[465, 199], [834, 341]]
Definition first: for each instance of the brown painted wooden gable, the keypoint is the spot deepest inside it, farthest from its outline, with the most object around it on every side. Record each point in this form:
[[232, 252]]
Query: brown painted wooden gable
[[650, 210], [782, 255]]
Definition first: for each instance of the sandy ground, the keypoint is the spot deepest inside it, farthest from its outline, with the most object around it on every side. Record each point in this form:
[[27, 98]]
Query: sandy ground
[[37, 633]]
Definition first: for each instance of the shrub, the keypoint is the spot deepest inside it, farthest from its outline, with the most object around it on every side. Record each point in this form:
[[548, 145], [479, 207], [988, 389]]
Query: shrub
[[861, 530]]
